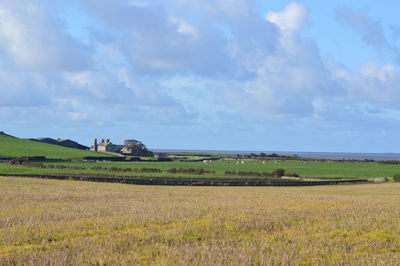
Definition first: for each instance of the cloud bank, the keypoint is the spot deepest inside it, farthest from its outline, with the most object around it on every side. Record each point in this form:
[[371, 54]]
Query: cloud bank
[[175, 64]]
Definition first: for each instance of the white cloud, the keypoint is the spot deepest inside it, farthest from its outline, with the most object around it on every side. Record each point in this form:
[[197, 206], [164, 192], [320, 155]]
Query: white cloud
[[289, 78], [383, 74], [35, 39], [184, 27], [371, 83], [290, 20], [157, 41], [371, 31]]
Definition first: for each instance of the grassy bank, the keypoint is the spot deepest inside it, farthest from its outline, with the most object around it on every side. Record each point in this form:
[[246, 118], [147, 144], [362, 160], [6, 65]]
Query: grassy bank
[[16, 147], [67, 222]]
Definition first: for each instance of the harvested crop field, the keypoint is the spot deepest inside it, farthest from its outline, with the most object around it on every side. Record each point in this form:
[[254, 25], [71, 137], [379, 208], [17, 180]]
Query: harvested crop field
[[69, 222]]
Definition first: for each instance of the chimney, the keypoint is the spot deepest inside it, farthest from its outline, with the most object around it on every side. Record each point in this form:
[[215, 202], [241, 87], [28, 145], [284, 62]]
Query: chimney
[[108, 141], [102, 140]]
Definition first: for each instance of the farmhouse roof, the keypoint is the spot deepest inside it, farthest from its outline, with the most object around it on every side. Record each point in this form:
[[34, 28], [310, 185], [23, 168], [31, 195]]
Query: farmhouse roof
[[104, 144], [63, 140], [45, 139]]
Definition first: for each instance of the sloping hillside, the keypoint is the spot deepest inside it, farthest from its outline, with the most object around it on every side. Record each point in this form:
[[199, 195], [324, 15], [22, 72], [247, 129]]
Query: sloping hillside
[[14, 147]]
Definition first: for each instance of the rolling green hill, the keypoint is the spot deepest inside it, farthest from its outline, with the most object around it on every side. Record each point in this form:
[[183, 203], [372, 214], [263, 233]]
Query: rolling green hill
[[14, 147]]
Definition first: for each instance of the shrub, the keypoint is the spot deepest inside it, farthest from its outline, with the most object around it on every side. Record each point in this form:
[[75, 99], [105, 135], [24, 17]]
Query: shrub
[[396, 178], [18, 161], [172, 170], [164, 159], [97, 168], [230, 172], [292, 175], [33, 164], [150, 170], [197, 171], [249, 173], [279, 172], [114, 169]]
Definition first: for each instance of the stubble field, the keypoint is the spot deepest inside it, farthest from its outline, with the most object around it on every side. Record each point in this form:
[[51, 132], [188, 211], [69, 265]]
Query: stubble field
[[68, 222]]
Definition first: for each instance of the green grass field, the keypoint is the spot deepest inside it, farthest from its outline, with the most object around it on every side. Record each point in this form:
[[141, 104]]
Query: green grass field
[[327, 169], [49, 222], [15, 147]]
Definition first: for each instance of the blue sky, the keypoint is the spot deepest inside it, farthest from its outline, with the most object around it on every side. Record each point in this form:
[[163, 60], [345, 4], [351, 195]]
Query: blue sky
[[201, 74]]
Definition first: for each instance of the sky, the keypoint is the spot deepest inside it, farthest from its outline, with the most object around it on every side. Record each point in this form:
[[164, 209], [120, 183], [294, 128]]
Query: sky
[[316, 76]]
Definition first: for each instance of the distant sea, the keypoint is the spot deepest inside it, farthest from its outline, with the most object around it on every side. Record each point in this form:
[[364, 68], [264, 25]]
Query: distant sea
[[314, 155]]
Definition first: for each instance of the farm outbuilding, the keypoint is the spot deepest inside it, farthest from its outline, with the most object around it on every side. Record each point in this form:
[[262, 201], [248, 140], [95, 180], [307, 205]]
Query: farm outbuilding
[[62, 142]]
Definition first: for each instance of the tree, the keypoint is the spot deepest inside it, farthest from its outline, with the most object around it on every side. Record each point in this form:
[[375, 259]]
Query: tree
[[136, 148], [132, 142]]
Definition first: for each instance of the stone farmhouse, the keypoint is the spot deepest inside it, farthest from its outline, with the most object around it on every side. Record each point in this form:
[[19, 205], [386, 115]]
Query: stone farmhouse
[[106, 146]]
